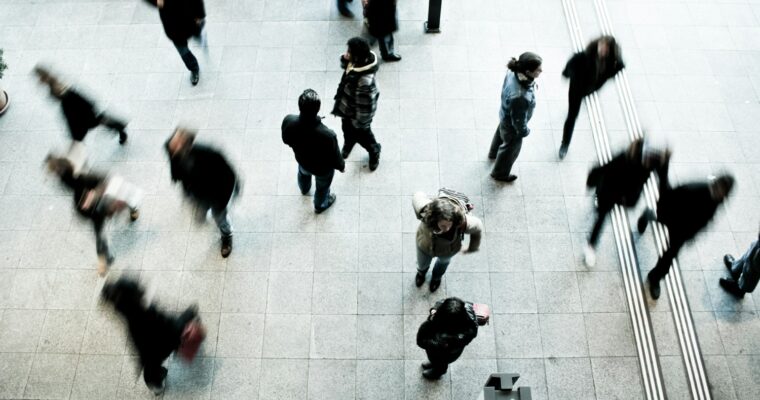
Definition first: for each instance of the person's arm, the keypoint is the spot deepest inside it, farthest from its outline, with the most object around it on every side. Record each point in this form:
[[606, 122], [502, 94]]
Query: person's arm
[[366, 95], [518, 110], [425, 335], [419, 201], [338, 161], [594, 176], [572, 66], [475, 230]]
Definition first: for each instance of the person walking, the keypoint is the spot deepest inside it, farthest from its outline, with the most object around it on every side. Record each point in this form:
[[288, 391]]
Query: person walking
[[621, 181], [588, 70], [207, 178], [450, 327], [518, 99], [356, 100], [182, 20], [79, 111], [745, 272], [684, 210], [315, 147], [343, 8], [443, 223], [382, 21]]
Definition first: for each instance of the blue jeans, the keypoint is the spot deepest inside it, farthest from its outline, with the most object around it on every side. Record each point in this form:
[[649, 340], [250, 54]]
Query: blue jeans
[[424, 260], [322, 193]]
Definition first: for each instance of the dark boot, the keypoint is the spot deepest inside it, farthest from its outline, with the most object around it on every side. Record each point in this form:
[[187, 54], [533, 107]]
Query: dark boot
[[374, 157], [195, 76], [644, 219], [226, 246], [330, 201], [728, 261], [419, 280], [731, 287], [435, 283], [654, 287], [562, 151]]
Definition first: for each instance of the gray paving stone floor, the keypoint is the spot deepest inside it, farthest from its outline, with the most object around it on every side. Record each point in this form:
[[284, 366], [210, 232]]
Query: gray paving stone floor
[[324, 306]]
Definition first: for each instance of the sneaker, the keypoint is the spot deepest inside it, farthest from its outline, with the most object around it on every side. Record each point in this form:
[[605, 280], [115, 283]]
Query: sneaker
[[226, 246], [419, 280], [562, 151], [509, 178], [134, 215], [589, 255], [435, 284], [122, 137], [330, 200], [728, 261], [195, 76]]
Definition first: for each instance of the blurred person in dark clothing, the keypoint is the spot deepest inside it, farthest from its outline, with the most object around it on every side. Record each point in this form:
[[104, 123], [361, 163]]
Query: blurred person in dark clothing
[[356, 100], [315, 147], [588, 71], [684, 210], [343, 8], [79, 111], [206, 177], [154, 333], [382, 22], [182, 20], [450, 327], [621, 181], [745, 272]]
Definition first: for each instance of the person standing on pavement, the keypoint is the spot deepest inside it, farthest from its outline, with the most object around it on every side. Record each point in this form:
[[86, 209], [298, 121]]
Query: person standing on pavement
[[382, 21], [621, 181], [356, 100], [684, 210], [443, 224], [588, 70], [183, 19], [745, 272], [207, 178], [315, 147], [518, 99], [450, 327]]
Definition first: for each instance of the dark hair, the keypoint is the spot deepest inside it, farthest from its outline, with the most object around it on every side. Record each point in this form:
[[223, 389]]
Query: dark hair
[[60, 166], [723, 183], [309, 103], [125, 294], [614, 49], [442, 209], [452, 316], [527, 62], [359, 49]]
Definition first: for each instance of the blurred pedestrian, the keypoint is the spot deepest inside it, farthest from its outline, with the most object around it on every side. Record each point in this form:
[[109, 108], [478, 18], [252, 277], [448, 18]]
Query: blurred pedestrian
[[79, 111], [518, 99], [154, 333], [745, 272], [207, 178], [97, 198], [382, 21], [450, 327], [588, 70], [343, 8], [182, 20], [684, 210], [443, 223], [356, 100], [315, 147], [621, 181]]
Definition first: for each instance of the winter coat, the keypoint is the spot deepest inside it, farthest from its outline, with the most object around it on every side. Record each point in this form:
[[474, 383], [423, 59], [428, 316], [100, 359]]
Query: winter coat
[[587, 74], [206, 176], [445, 346], [315, 145], [518, 100], [80, 114], [621, 181], [179, 18], [448, 243], [356, 98], [381, 16], [686, 209]]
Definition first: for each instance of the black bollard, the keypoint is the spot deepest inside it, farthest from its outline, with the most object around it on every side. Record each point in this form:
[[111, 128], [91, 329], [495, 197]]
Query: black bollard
[[433, 24]]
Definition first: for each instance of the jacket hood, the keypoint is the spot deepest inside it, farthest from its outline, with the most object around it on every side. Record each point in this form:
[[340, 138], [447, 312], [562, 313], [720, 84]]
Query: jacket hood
[[371, 67]]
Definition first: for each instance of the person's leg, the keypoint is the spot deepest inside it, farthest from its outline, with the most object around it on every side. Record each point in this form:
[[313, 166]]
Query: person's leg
[[601, 215], [423, 264], [435, 367], [224, 223], [322, 197], [366, 139], [575, 99], [507, 154], [155, 375], [105, 258], [386, 48], [441, 264], [495, 143], [189, 59], [349, 137], [114, 124], [343, 9], [304, 180], [663, 265]]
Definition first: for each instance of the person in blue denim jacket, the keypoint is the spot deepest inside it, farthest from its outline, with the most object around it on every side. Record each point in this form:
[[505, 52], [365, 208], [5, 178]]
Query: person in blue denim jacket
[[518, 100]]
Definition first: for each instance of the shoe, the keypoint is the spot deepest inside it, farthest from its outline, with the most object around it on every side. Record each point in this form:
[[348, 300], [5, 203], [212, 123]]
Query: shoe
[[509, 178], [419, 279], [195, 76], [158, 390], [392, 57], [730, 287], [134, 215], [226, 246], [427, 365], [728, 261], [330, 200], [435, 284], [654, 288], [644, 221], [122, 137], [589, 255], [374, 158], [431, 375], [562, 151]]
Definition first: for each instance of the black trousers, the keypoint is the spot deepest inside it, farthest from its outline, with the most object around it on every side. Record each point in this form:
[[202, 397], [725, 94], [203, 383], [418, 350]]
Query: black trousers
[[575, 99], [187, 56], [601, 215], [353, 135], [663, 264], [386, 45], [153, 372]]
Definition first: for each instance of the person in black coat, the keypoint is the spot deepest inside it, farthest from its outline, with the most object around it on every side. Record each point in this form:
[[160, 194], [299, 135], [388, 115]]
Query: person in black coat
[[621, 181], [315, 147], [449, 328], [183, 19], [588, 71], [154, 333], [382, 22], [207, 178], [78, 110], [684, 210]]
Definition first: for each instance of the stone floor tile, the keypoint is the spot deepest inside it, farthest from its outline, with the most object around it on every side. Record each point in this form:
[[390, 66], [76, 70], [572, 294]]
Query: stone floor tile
[[601, 291], [335, 293], [333, 336], [336, 252], [190, 381], [240, 335], [236, 378], [287, 336], [417, 387], [289, 293], [332, 379], [568, 378], [51, 376], [743, 370], [379, 379], [293, 252], [721, 384], [467, 377], [20, 330], [546, 214], [517, 335], [617, 377], [15, 369], [283, 379], [508, 252], [380, 337], [532, 374], [245, 292], [380, 293], [736, 329], [513, 292], [380, 252], [557, 292], [204, 288], [63, 331], [552, 252], [563, 335], [97, 377], [610, 335]]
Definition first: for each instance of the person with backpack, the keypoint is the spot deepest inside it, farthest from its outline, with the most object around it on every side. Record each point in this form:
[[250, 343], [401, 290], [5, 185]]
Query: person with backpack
[[443, 223], [450, 327]]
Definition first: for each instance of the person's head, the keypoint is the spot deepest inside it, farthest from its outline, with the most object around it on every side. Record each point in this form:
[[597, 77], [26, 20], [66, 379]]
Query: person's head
[[59, 166], [452, 314], [180, 142], [528, 65], [721, 186], [309, 103], [57, 88], [603, 47], [358, 51], [441, 215], [124, 294]]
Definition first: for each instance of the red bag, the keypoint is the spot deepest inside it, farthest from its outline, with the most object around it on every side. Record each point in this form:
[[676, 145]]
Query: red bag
[[482, 312], [192, 337]]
